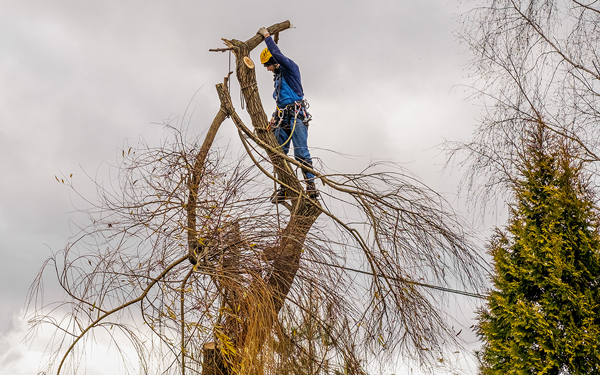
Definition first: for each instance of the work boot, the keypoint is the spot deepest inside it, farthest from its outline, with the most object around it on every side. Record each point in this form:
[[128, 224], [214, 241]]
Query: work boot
[[311, 189], [279, 196]]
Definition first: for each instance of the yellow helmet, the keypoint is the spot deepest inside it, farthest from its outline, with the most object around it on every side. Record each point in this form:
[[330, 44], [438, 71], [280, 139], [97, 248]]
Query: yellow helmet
[[265, 55]]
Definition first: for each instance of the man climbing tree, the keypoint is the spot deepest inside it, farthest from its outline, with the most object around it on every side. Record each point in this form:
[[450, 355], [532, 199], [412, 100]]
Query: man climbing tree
[[290, 120]]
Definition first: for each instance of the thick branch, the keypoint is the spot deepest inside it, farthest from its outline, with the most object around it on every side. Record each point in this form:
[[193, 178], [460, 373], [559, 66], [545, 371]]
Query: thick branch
[[194, 182], [253, 42]]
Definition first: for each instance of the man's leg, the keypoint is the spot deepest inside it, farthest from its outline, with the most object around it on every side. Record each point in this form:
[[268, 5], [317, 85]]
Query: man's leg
[[301, 153]]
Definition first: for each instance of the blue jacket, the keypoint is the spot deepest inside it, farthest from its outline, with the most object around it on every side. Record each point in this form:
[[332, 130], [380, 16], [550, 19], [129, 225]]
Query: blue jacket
[[288, 84]]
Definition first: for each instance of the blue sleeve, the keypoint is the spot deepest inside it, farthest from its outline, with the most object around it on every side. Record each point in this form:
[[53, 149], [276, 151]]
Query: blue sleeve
[[277, 55], [290, 70]]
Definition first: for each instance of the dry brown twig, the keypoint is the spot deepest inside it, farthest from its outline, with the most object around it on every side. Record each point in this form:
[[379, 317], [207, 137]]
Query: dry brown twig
[[269, 291]]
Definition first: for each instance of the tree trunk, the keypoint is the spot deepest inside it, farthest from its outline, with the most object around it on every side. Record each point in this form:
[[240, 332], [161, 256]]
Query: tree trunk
[[251, 334]]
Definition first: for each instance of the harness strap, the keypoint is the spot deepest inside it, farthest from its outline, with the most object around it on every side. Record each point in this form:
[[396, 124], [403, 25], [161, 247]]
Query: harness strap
[[297, 108]]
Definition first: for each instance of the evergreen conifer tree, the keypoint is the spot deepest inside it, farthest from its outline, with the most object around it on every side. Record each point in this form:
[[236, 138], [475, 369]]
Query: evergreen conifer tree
[[543, 315]]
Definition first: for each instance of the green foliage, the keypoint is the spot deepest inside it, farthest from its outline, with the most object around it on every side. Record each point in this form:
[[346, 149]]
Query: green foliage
[[543, 315]]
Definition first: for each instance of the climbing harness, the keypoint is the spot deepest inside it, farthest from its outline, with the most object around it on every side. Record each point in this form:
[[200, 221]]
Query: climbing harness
[[283, 116]]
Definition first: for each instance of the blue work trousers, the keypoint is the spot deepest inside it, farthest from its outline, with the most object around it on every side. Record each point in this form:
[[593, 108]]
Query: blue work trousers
[[299, 140]]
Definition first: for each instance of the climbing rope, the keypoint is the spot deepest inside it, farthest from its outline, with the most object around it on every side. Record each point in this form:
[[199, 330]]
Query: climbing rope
[[229, 70], [277, 205], [242, 101], [403, 280]]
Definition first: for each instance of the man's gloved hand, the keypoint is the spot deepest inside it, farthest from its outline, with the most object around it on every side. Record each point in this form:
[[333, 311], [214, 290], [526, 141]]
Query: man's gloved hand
[[263, 31]]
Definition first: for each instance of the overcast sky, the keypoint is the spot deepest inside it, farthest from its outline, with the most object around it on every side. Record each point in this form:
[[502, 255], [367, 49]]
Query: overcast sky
[[79, 77]]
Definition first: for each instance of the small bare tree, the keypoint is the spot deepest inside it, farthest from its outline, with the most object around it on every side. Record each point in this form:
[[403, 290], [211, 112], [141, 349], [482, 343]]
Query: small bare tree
[[188, 259], [537, 63]]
